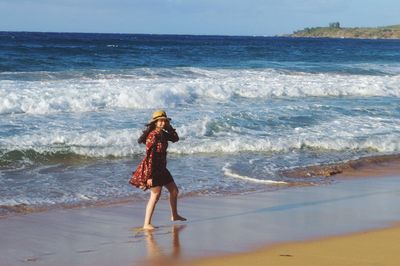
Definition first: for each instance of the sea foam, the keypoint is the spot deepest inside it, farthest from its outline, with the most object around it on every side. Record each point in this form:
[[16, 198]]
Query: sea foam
[[228, 172], [152, 88]]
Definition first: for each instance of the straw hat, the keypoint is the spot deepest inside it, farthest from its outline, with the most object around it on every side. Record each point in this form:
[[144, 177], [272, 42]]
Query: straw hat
[[159, 114]]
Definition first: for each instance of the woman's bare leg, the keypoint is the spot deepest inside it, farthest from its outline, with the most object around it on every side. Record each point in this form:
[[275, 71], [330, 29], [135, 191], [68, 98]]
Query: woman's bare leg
[[155, 193], [173, 200]]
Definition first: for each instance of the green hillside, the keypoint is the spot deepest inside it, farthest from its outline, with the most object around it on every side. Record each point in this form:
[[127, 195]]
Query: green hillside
[[335, 31]]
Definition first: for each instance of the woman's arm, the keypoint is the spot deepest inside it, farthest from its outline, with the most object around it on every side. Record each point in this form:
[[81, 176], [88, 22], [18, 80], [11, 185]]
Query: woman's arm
[[171, 133]]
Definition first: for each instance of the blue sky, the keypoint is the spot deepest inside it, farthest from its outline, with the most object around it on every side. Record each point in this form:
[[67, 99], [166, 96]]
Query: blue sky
[[221, 17]]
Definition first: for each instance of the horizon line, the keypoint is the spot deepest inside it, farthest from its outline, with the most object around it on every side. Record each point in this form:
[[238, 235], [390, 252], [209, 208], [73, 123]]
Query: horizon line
[[125, 33]]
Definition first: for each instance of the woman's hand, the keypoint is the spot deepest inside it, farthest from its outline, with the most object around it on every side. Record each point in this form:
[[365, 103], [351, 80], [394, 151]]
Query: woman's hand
[[149, 182], [168, 127]]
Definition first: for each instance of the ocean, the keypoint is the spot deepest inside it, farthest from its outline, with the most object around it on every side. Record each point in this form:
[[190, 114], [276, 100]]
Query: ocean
[[247, 110]]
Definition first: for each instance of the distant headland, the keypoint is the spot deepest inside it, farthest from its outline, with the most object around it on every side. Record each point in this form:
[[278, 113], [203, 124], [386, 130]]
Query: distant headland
[[334, 30]]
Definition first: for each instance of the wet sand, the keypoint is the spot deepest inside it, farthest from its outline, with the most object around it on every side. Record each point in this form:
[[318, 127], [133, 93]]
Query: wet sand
[[217, 226]]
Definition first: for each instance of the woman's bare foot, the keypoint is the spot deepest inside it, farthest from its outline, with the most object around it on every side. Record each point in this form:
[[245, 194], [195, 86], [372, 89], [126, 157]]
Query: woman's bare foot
[[148, 227], [178, 218]]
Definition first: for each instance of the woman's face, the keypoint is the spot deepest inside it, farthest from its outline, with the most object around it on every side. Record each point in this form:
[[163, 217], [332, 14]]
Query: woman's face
[[161, 123]]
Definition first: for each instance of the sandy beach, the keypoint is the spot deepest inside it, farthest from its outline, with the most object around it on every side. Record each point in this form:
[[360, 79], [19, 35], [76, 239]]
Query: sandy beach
[[367, 248], [221, 228]]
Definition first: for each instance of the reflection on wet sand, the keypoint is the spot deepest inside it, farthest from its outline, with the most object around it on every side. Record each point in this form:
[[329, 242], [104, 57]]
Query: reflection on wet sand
[[159, 255]]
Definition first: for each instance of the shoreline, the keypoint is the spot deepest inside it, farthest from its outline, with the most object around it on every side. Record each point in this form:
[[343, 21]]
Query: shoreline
[[365, 167], [340, 38]]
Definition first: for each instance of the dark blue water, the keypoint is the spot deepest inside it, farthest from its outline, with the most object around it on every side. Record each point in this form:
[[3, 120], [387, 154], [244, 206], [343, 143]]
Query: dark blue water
[[25, 51]]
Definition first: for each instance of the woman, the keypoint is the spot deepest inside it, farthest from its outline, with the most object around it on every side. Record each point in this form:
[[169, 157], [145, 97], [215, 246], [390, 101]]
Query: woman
[[152, 172]]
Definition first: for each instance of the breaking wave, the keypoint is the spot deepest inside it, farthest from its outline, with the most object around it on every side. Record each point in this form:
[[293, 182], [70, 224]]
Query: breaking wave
[[123, 143], [47, 92]]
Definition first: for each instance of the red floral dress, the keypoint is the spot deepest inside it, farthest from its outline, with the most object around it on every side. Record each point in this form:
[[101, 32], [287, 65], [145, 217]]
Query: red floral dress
[[154, 164]]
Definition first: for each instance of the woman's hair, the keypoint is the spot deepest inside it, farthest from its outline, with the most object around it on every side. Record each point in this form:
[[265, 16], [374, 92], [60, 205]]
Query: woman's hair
[[149, 127]]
